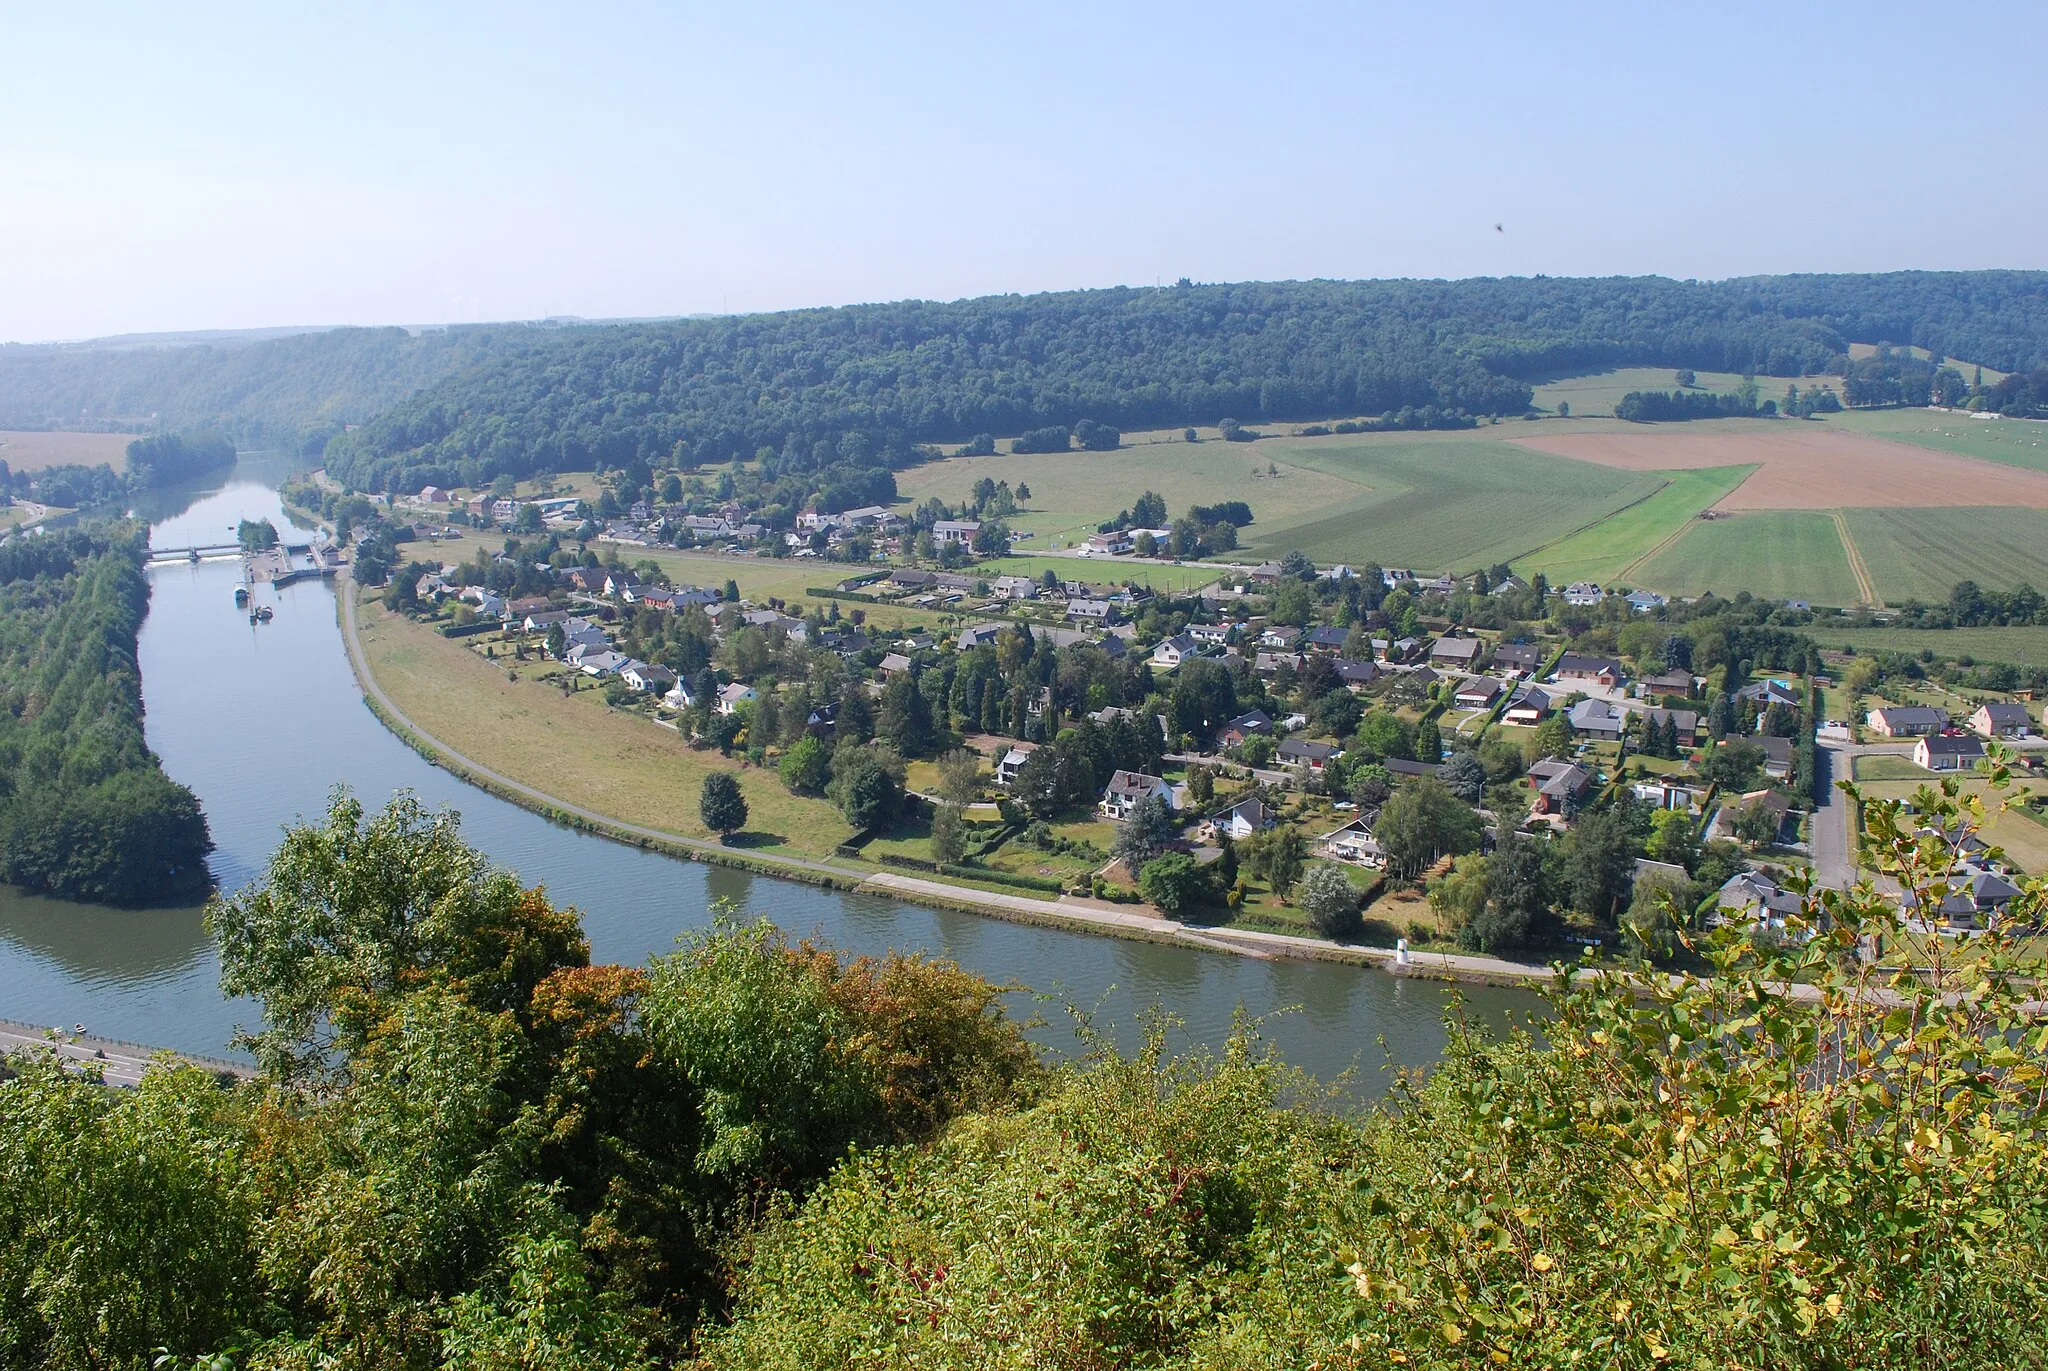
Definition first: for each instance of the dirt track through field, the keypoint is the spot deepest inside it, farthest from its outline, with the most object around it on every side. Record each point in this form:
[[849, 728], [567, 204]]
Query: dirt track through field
[[1807, 466], [1856, 567]]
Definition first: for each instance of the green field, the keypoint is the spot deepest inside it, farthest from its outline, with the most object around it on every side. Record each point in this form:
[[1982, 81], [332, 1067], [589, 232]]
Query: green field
[[2014, 442], [2022, 646], [1607, 551], [1596, 395], [1778, 554], [1992, 376], [1158, 575], [1072, 492], [1918, 554], [1441, 502]]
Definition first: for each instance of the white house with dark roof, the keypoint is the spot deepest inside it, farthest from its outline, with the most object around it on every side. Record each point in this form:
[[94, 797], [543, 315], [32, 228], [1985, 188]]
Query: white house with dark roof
[[735, 695], [1126, 788], [1352, 843], [1244, 818], [960, 531], [1949, 751]]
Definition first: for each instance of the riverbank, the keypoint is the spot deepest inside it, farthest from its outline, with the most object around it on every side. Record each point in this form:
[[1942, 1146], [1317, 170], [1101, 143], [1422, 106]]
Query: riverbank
[[119, 1063], [1066, 912]]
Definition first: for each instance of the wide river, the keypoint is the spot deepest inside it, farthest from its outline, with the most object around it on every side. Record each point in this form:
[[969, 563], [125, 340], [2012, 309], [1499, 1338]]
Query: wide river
[[264, 721]]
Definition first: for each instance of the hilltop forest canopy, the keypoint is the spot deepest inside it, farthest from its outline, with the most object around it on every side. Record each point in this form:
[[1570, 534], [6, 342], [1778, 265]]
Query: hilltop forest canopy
[[866, 387], [85, 809]]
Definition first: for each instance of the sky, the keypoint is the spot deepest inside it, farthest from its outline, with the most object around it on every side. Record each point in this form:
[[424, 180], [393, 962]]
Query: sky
[[214, 165]]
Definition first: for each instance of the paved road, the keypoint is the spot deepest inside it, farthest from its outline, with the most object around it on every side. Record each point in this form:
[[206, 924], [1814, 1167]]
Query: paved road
[[1833, 864], [120, 1063]]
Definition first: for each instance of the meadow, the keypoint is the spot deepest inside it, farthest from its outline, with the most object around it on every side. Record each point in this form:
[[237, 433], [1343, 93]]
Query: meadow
[[1778, 554], [1441, 502], [2026, 646], [1918, 554], [35, 451], [1595, 396], [2011, 442], [1163, 576], [1611, 551]]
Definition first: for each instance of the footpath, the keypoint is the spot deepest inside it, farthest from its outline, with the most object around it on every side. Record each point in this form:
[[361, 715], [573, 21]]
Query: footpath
[[1067, 911]]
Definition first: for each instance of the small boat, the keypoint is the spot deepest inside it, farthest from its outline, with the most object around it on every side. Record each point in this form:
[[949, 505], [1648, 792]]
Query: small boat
[[193, 556], [265, 615], [241, 595]]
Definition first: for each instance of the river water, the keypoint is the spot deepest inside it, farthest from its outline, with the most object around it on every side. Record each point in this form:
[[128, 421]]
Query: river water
[[263, 721]]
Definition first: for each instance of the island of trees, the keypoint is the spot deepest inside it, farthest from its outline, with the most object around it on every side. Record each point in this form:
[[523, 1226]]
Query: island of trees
[[85, 809]]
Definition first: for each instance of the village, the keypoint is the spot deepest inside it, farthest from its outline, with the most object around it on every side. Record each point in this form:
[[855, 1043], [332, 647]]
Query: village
[[1328, 751]]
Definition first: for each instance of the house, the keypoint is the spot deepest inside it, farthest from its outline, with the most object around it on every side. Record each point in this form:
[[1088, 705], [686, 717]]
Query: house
[[1091, 611], [1266, 663], [1458, 654], [1112, 544], [1686, 722], [1663, 793], [910, 578], [1401, 766], [894, 662], [621, 583], [1583, 594], [1949, 751], [821, 721], [1171, 652], [1015, 588], [1777, 756], [647, 676], [1301, 755], [1012, 762], [1478, 692], [433, 495], [1126, 788], [542, 620], [1352, 843], [1735, 807], [1559, 786], [1974, 893], [679, 696], [1668, 683], [735, 695], [1597, 719], [529, 604], [1405, 649], [600, 661], [959, 531], [1753, 897], [1522, 657], [1267, 573], [1906, 721], [1215, 634], [1768, 693], [1527, 707], [1994, 719], [1599, 670], [1327, 638], [1245, 725], [1643, 601], [1244, 819], [1356, 675], [1279, 638]]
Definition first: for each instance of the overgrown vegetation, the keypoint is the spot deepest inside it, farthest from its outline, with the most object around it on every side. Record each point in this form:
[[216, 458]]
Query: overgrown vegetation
[[472, 1148]]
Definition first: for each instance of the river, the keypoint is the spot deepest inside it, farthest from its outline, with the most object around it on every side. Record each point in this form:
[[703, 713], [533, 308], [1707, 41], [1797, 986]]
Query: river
[[262, 721]]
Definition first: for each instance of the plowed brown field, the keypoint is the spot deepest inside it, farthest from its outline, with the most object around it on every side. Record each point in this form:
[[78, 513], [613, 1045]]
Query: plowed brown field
[[1810, 467]]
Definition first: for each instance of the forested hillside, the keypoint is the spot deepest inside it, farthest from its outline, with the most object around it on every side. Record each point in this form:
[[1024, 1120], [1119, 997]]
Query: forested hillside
[[85, 810], [294, 392], [866, 384]]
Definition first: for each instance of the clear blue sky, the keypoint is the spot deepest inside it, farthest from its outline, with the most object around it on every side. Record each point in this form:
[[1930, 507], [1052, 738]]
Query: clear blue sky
[[216, 165]]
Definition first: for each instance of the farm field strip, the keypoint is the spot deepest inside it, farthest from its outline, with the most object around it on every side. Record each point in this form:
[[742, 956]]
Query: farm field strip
[[2008, 442], [1611, 549], [1594, 395], [1919, 554], [2024, 646], [1782, 554], [1856, 567], [37, 451]]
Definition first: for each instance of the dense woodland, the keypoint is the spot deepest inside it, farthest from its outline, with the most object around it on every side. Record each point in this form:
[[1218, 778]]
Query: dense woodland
[[85, 810], [470, 1148], [867, 387]]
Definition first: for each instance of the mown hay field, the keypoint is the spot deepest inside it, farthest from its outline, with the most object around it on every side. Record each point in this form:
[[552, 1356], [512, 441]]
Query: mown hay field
[[1919, 554], [1779, 554], [2026, 646], [2012, 442]]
